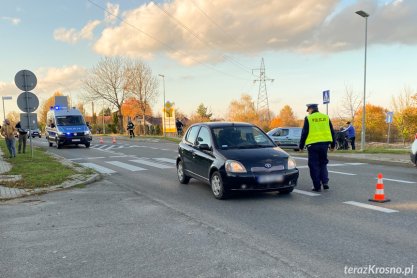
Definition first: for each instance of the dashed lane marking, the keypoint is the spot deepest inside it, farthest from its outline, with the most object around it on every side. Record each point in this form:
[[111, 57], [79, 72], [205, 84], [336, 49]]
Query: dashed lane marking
[[150, 163], [166, 160], [342, 173], [401, 181], [362, 205], [98, 168], [306, 193]]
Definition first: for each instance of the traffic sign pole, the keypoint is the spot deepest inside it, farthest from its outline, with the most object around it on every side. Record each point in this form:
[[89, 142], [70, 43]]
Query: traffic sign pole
[[30, 126]]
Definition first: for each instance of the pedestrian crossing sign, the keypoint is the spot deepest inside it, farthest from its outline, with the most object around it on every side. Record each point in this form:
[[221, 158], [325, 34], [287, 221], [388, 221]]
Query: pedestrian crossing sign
[[326, 97]]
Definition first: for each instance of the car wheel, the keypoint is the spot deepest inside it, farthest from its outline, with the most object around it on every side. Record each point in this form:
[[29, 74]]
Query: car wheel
[[217, 186], [58, 145], [182, 177], [87, 145], [50, 144], [286, 190]]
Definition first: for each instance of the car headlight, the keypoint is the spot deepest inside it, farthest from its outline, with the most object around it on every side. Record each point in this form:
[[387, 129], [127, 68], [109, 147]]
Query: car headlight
[[291, 163], [234, 167], [60, 133], [87, 132]]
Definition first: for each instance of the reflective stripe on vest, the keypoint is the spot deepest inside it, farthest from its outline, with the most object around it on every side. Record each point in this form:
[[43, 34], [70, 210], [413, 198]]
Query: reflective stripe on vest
[[319, 128]]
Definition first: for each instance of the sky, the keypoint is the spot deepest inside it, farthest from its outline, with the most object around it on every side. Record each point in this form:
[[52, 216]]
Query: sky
[[209, 51]]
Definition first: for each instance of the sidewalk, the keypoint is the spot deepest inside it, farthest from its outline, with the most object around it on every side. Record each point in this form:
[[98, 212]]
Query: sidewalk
[[7, 193]]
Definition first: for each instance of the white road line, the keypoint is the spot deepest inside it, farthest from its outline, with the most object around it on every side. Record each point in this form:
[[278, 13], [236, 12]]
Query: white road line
[[166, 160], [150, 163], [342, 173], [335, 165], [98, 168], [97, 157], [302, 167], [300, 158], [362, 205], [356, 164], [112, 156], [402, 181], [125, 166], [101, 147], [74, 159], [305, 193]]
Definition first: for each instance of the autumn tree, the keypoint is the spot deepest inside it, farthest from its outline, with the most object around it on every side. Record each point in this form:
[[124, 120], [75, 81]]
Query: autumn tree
[[287, 116], [202, 112], [107, 81], [142, 84], [243, 110], [46, 106], [276, 122], [376, 128], [132, 108], [405, 113], [351, 103]]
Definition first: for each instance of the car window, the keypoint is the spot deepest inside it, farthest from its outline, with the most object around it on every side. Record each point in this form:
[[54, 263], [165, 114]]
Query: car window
[[296, 132], [192, 134], [241, 137], [277, 133], [285, 132], [204, 137]]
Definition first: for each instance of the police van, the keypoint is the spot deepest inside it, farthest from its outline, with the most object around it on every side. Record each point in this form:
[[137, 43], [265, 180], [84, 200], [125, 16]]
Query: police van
[[66, 126]]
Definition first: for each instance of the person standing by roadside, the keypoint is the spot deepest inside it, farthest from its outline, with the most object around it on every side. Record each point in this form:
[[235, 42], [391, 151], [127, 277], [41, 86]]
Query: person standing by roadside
[[317, 135], [23, 135], [179, 125], [130, 127], [351, 134], [8, 131]]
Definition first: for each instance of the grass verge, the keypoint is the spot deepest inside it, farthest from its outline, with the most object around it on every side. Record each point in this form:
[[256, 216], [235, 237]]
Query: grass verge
[[43, 170]]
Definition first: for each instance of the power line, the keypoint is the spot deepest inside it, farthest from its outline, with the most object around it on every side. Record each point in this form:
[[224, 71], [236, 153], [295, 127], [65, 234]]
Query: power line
[[161, 42]]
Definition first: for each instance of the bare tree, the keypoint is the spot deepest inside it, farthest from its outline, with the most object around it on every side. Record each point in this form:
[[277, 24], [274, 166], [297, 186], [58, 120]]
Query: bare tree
[[107, 81], [142, 84], [351, 103]]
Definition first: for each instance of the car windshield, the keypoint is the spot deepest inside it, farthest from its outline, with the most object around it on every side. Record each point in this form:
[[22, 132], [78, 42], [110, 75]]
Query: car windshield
[[241, 137], [69, 120]]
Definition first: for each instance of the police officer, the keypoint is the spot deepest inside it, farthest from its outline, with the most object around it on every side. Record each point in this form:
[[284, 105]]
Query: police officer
[[130, 127], [317, 134]]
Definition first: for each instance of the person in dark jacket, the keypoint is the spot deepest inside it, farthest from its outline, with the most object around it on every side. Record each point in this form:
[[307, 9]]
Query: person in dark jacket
[[179, 125], [22, 138], [130, 128], [317, 135]]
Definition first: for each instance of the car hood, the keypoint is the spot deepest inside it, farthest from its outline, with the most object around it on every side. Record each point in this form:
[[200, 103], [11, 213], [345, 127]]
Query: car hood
[[256, 157]]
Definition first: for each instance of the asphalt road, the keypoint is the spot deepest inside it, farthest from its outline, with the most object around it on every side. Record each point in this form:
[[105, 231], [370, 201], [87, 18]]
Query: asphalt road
[[140, 222]]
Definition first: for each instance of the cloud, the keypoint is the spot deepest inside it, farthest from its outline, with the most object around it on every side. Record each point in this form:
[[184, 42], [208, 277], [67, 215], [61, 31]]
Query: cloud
[[214, 28], [111, 13], [73, 36], [12, 20]]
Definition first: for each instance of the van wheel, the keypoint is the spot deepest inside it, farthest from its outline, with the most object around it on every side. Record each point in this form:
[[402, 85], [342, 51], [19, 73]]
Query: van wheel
[[58, 145], [87, 145], [286, 191]]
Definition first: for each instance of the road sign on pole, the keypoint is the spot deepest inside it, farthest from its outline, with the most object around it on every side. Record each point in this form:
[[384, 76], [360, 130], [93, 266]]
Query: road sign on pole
[[27, 102], [388, 120], [326, 97], [25, 80]]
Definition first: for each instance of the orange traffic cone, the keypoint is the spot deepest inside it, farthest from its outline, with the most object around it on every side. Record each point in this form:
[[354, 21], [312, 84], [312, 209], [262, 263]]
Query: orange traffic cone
[[101, 140], [114, 140], [379, 195]]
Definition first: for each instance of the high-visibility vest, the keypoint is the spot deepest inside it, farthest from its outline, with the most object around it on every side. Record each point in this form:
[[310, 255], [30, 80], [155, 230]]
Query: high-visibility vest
[[319, 128]]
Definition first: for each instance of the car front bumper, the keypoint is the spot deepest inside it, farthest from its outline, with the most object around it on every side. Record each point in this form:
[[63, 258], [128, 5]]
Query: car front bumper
[[70, 140], [251, 181]]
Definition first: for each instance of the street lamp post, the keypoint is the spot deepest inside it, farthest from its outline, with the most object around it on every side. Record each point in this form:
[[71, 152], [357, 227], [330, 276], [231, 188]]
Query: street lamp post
[[163, 119], [364, 15]]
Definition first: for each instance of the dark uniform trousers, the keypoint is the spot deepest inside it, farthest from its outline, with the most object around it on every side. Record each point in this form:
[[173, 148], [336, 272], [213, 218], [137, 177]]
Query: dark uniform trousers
[[317, 162]]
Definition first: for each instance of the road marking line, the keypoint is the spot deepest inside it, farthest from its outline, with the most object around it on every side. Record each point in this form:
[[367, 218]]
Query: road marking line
[[101, 147], [167, 160], [112, 156], [342, 173], [305, 193], [74, 159], [402, 181], [98, 168], [336, 164], [125, 166], [150, 163], [356, 164], [302, 167], [362, 205], [301, 158], [97, 157]]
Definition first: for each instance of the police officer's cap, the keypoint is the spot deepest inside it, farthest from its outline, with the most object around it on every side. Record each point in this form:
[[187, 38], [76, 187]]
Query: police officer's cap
[[312, 106]]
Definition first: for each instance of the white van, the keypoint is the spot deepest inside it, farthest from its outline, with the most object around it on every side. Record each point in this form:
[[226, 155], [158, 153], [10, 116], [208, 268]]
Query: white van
[[286, 137]]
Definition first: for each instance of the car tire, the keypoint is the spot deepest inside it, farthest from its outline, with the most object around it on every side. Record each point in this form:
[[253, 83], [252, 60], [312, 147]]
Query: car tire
[[50, 144], [217, 186], [58, 145], [87, 145], [286, 191], [182, 177]]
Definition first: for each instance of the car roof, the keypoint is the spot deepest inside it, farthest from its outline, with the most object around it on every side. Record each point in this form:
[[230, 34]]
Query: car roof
[[224, 124]]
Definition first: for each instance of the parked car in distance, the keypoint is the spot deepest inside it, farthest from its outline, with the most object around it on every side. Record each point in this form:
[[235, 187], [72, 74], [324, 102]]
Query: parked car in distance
[[286, 137], [413, 154], [34, 133], [234, 157]]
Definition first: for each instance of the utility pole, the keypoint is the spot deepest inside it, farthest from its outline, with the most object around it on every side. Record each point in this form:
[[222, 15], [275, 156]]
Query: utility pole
[[262, 103]]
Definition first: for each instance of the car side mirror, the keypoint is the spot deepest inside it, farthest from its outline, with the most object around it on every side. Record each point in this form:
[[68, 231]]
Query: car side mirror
[[204, 147]]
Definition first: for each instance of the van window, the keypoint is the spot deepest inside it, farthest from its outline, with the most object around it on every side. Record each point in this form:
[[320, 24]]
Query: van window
[[285, 132], [69, 120]]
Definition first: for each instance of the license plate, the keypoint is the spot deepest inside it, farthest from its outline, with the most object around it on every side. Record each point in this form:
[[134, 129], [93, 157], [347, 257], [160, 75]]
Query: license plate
[[76, 140], [270, 178]]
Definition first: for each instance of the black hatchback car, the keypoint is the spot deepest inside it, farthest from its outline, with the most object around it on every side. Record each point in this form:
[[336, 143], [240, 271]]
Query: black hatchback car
[[234, 157]]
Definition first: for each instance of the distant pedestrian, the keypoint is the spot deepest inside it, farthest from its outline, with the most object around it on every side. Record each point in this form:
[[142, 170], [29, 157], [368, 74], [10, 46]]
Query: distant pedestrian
[[317, 135], [179, 125], [23, 135], [8, 131], [130, 128], [351, 134]]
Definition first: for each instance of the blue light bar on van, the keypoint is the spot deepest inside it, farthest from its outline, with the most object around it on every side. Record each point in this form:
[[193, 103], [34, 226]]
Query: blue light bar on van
[[56, 107]]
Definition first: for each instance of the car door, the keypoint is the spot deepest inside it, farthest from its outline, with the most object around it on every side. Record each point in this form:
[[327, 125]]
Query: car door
[[203, 159], [284, 137], [188, 149]]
